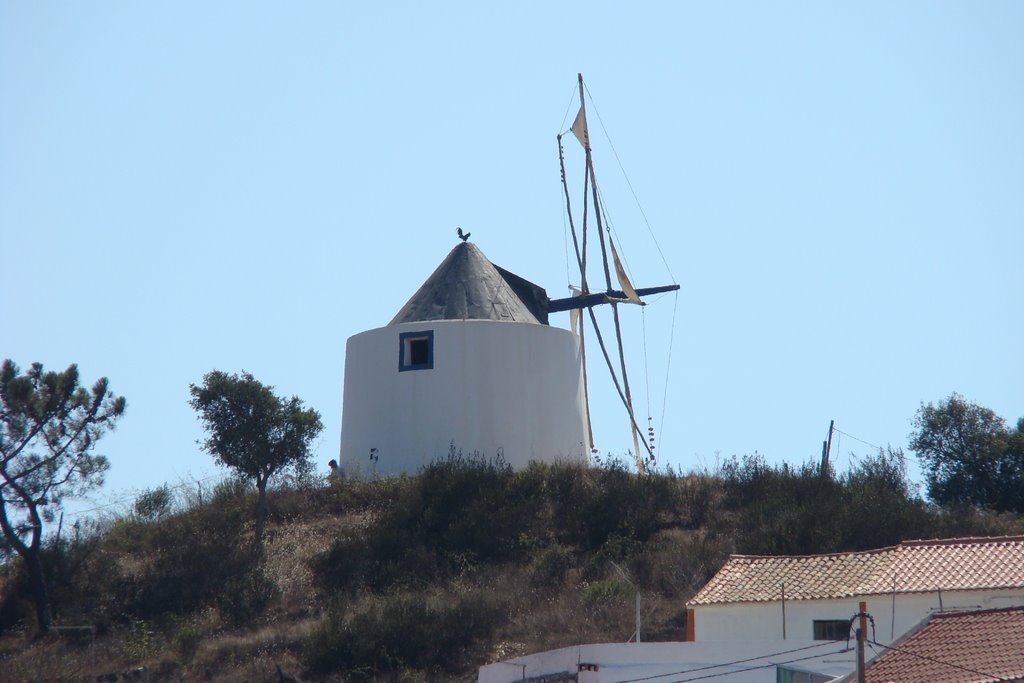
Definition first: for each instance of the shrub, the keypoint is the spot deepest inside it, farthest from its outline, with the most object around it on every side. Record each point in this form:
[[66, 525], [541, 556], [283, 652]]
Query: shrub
[[550, 566], [187, 637], [590, 506], [16, 604], [783, 510], [880, 505], [153, 504], [675, 563], [456, 514], [606, 592], [402, 630], [188, 561], [245, 596]]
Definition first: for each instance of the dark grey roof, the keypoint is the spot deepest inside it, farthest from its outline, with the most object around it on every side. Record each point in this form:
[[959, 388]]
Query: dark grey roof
[[466, 286]]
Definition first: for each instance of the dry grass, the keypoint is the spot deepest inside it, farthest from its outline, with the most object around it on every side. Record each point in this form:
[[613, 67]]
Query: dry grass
[[287, 553]]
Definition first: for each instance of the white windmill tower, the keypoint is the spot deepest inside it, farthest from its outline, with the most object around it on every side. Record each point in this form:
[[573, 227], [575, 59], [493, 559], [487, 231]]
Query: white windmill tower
[[469, 361]]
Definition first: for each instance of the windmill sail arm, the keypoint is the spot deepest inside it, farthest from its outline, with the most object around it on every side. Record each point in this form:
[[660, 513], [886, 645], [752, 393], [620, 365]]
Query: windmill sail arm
[[568, 303]]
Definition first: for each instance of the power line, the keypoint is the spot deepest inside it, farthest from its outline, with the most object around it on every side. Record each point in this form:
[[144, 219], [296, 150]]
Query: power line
[[755, 668], [898, 452], [128, 496], [836, 429], [988, 676], [733, 663]]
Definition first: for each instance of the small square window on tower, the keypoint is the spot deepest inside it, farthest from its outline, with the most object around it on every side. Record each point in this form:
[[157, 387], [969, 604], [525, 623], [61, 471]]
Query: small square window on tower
[[416, 350]]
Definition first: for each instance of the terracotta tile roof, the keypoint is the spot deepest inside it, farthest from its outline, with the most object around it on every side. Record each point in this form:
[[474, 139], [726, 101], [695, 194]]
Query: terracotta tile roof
[[914, 566], [983, 646]]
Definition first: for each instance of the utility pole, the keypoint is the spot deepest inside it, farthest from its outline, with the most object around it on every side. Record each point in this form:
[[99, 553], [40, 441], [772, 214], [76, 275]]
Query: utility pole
[[826, 448], [638, 615], [862, 628], [625, 576]]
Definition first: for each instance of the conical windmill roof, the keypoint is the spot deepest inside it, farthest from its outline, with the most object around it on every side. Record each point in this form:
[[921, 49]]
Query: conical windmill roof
[[466, 286]]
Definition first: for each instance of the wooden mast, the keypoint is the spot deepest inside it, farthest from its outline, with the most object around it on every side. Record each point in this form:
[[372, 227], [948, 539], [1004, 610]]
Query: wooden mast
[[627, 396], [580, 260], [611, 296]]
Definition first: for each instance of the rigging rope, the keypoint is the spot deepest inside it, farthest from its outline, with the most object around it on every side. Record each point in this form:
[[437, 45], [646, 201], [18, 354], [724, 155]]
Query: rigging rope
[[568, 108], [615, 310], [603, 226], [613, 232], [647, 379], [580, 260], [668, 363], [611, 369], [628, 183]]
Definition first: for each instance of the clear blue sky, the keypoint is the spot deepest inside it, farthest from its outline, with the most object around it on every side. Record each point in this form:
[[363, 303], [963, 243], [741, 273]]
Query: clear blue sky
[[838, 187]]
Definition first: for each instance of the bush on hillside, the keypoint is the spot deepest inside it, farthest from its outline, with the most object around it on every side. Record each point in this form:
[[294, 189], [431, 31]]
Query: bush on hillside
[[785, 510], [782, 510], [404, 630], [191, 560], [465, 511], [590, 506], [881, 507], [457, 514]]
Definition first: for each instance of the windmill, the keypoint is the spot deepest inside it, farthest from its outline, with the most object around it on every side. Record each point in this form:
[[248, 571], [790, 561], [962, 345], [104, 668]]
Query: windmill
[[471, 364]]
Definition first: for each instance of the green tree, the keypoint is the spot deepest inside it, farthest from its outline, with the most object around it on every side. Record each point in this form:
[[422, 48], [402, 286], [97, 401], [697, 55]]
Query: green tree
[[969, 455], [48, 428], [153, 504], [253, 431]]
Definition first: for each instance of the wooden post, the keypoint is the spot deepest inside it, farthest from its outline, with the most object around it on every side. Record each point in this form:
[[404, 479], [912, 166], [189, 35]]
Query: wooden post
[[638, 616], [783, 610], [826, 449], [831, 428], [892, 627], [861, 635]]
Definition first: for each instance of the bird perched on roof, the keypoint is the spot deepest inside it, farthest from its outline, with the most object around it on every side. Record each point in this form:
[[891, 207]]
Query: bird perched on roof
[[463, 236]]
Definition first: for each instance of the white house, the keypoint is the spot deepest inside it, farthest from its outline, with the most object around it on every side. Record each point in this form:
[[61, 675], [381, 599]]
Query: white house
[[468, 363], [814, 596]]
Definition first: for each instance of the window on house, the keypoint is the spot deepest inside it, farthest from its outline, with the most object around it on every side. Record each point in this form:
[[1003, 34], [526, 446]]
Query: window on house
[[831, 629], [786, 675], [416, 350]]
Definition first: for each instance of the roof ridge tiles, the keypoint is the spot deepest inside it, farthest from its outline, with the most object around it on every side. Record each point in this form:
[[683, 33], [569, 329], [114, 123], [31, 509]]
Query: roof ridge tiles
[[975, 540], [954, 613], [871, 551], [965, 540]]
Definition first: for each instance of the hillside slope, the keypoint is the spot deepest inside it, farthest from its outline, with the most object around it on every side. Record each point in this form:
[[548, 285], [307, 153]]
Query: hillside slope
[[427, 577]]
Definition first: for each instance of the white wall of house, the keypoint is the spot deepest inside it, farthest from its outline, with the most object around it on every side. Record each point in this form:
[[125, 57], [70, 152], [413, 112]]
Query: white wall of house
[[759, 620], [495, 387], [735, 662]]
